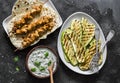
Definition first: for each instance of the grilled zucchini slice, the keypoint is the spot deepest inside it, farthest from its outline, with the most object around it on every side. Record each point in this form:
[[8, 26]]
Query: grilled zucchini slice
[[68, 48]]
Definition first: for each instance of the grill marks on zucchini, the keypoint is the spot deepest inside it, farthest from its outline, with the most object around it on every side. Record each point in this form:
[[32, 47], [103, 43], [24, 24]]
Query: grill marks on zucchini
[[68, 49], [79, 44], [88, 32], [76, 37], [88, 54]]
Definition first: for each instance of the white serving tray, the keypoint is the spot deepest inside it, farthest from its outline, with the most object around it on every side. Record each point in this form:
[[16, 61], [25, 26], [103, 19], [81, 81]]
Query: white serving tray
[[48, 4]]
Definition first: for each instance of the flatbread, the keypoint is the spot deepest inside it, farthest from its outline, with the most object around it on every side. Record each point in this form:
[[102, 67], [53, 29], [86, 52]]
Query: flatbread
[[21, 6]]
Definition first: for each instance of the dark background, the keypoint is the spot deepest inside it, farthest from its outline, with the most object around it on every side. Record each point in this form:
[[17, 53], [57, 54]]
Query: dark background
[[105, 12]]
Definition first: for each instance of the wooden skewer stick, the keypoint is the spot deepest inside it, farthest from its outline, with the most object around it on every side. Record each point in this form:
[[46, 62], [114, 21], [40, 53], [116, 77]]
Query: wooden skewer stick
[[16, 49]]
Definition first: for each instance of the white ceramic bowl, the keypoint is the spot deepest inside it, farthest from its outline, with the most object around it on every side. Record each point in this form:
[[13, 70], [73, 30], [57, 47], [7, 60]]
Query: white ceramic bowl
[[29, 61]]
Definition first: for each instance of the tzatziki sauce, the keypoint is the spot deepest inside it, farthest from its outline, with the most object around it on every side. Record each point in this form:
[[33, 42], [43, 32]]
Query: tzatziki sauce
[[39, 60]]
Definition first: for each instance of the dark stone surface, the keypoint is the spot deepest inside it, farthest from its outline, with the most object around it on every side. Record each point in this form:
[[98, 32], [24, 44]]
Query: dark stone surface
[[105, 12]]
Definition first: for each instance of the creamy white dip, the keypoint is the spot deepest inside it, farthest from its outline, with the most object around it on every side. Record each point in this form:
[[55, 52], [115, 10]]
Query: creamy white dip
[[39, 60]]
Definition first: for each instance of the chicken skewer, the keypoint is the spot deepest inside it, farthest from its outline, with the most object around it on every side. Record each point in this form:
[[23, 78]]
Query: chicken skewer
[[27, 18], [34, 25], [39, 32]]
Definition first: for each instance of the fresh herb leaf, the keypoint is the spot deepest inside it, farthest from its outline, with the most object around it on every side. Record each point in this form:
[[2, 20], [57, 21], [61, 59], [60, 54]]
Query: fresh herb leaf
[[16, 59], [33, 69], [46, 54], [42, 68], [17, 69], [37, 64], [49, 63]]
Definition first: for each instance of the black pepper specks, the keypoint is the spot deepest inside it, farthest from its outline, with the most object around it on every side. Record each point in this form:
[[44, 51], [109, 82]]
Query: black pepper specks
[[14, 7], [18, 6], [26, 9]]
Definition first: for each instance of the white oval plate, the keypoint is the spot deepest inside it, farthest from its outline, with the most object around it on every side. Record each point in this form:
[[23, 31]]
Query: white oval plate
[[66, 24]]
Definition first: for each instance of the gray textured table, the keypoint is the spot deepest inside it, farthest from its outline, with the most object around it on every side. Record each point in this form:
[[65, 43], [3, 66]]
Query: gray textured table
[[105, 12]]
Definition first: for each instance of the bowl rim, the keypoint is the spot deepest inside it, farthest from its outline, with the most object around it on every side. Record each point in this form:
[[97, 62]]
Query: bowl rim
[[46, 47]]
